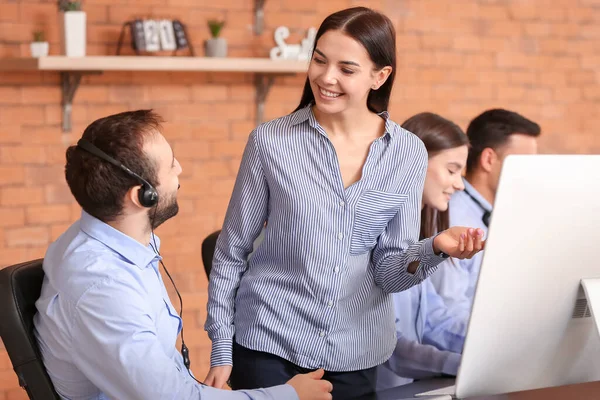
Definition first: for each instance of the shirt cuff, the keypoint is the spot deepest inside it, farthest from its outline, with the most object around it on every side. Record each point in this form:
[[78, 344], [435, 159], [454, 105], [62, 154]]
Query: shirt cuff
[[221, 353], [430, 260], [283, 392], [451, 364]]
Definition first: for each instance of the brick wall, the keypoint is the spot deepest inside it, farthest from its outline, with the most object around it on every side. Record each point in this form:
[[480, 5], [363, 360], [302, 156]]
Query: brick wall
[[455, 58]]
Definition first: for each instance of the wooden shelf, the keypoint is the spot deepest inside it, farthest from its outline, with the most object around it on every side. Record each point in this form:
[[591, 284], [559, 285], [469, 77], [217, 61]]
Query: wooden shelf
[[72, 68], [149, 63]]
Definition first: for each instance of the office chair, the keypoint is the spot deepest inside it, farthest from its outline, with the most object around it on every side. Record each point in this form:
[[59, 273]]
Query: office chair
[[208, 250], [20, 287]]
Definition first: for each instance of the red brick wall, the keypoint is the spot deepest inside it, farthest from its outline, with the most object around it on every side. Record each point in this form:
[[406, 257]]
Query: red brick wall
[[456, 58]]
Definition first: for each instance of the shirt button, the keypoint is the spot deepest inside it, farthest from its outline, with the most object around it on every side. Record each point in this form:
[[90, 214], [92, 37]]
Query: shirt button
[[322, 333], [336, 269], [340, 235], [330, 303], [342, 203]]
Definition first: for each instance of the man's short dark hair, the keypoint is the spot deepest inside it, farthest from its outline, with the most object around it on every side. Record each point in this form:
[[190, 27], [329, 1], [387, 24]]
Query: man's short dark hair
[[98, 186], [492, 129]]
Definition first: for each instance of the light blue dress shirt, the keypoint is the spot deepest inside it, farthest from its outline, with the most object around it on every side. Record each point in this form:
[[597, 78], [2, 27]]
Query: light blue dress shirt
[[317, 289], [456, 279], [106, 327], [426, 331]]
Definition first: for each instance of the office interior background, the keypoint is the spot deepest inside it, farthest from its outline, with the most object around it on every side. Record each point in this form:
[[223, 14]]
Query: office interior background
[[457, 58]]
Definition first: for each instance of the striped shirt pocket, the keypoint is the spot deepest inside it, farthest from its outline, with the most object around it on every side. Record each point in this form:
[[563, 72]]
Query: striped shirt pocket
[[372, 213]]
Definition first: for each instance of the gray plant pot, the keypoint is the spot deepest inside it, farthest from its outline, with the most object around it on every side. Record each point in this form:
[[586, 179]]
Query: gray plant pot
[[216, 47]]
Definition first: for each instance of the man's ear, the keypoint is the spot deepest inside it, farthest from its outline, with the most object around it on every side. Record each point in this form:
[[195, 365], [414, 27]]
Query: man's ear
[[132, 196], [487, 159]]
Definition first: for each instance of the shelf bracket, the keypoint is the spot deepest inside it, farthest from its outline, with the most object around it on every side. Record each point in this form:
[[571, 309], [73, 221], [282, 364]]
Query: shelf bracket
[[262, 83], [259, 16], [69, 84], [70, 81]]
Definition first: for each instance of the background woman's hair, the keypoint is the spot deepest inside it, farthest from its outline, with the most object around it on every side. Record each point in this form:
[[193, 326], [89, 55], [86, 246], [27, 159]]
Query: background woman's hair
[[438, 134]]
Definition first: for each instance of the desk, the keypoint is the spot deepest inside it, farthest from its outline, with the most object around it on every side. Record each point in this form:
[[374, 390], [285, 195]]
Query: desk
[[583, 391]]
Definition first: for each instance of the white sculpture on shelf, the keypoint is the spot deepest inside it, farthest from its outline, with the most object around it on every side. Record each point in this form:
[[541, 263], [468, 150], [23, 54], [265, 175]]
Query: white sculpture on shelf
[[285, 51]]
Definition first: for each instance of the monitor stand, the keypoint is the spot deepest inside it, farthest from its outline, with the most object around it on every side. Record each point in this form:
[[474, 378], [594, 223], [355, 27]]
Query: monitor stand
[[591, 287]]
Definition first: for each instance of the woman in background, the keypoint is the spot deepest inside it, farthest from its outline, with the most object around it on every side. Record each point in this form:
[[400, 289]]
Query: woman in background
[[430, 336]]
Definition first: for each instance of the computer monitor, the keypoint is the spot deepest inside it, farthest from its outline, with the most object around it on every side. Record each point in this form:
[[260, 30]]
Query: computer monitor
[[532, 325]]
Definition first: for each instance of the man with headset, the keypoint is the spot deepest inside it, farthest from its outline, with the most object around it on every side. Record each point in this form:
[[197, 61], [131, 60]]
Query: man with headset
[[105, 325], [493, 135]]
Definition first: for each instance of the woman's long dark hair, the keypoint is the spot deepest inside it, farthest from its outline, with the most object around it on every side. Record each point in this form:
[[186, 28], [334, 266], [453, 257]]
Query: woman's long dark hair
[[438, 134], [376, 33]]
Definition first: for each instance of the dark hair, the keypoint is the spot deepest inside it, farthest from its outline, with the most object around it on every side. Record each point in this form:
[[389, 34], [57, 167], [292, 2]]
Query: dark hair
[[438, 134], [98, 186], [492, 128], [376, 33]]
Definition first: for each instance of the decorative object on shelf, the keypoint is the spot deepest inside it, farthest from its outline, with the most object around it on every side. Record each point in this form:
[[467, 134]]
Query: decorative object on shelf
[[215, 46], [39, 46], [73, 28], [151, 36], [286, 51]]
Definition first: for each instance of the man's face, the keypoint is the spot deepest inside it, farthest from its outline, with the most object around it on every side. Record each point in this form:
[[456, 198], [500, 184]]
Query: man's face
[[517, 144], [168, 171]]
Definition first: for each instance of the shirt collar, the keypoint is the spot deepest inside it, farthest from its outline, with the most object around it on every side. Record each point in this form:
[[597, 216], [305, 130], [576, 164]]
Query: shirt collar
[[119, 242], [306, 114], [471, 190]]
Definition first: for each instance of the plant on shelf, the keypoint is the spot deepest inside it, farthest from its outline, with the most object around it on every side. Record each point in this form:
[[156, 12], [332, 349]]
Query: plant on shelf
[[69, 5], [215, 27], [74, 28], [216, 46], [39, 36], [39, 46]]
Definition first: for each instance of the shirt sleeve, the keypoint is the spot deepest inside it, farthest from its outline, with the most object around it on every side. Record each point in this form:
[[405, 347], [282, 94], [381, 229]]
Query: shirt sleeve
[[451, 283], [244, 220], [398, 245], [412, 357], [445, 327], [414, 360], [116, 345]]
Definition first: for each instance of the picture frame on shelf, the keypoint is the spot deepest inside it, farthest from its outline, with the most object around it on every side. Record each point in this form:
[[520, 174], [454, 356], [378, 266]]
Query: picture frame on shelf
[[150, 36]]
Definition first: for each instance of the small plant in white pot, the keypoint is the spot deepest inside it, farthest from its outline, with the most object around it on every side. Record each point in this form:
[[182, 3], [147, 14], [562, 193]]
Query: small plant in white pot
[[74, 28], [216, 46], [39, 46]]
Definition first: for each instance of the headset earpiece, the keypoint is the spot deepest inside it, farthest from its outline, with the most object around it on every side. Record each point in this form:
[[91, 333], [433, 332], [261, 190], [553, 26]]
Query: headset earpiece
[[148, 196]]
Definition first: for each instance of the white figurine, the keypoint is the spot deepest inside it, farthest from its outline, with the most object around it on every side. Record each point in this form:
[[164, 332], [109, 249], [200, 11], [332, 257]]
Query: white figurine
[[285, 51]]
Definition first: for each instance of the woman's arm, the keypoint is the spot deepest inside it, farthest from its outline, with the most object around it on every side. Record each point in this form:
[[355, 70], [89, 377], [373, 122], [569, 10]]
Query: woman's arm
[[244, 220]]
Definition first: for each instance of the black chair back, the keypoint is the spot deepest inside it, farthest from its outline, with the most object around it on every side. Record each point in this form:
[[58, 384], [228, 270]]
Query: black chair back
[[20, 287], [208, 251]]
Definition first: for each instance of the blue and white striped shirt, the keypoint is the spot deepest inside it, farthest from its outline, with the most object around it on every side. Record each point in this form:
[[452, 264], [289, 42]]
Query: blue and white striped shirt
[[316, 291]]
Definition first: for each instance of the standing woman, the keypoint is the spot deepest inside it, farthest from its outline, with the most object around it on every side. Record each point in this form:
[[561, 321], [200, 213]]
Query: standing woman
[[340, 185]]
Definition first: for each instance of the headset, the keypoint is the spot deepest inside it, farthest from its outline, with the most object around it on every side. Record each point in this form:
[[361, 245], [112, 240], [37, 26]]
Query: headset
[[148, 197], [486, 214]]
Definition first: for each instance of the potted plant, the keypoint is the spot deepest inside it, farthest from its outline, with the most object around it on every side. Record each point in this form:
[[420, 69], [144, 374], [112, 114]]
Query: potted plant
[[216, 46], [74, 28], [39, 46]]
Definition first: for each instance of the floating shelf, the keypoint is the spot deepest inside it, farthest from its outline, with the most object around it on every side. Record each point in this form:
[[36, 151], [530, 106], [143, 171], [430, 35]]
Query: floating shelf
[[149, 63], [72, 68]]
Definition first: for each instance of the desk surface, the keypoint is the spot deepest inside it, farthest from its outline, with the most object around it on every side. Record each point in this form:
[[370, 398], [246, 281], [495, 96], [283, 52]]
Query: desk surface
[[584, 391]]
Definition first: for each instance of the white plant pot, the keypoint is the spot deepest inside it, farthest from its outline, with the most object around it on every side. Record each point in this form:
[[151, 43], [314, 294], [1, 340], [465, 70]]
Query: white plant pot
[[74, 33], [39, 49], [216, 47]]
